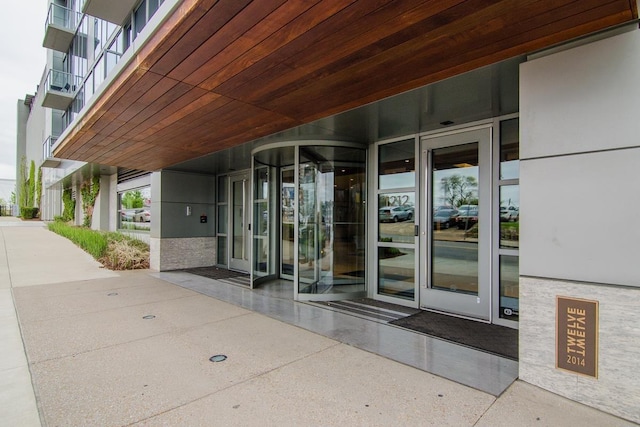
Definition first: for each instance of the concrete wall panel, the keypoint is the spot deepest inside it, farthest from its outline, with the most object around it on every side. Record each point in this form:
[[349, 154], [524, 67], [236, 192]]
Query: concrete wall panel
[[582, 99], [579, 217]]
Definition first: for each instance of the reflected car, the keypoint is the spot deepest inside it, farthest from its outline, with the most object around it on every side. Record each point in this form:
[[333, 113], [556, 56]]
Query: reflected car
[[510, 214], [127, 214], [444, 218], [142, 215], [467, 216], [395, 213]]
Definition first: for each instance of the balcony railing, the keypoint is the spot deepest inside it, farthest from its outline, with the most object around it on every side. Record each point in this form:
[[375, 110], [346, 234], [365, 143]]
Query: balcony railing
[[60, 27], [60, 89], [48, 161]]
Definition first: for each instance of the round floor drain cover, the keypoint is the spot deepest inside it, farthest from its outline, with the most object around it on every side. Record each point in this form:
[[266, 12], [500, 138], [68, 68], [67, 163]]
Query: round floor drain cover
[[149, 316], [218, 358]]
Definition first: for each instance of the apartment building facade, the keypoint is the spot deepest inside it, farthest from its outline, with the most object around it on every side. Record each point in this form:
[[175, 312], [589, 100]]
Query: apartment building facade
[[462, 157]]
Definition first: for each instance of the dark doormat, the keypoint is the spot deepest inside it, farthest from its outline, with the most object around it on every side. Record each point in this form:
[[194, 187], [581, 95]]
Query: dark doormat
[[494, 339], [215, 272]]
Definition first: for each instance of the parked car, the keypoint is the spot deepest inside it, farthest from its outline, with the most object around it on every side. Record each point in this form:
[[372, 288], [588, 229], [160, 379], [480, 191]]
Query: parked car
[[510, 213], [444, 218], [127, 214], [395, 213], [467, 216], [142, 215]]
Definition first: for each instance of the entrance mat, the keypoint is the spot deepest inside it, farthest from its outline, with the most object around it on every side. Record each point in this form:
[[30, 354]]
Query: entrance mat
[[215, 272], [494, 339]]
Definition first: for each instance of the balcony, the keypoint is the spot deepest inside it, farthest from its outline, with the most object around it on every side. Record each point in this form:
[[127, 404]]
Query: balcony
[[48, 161], [116, 12], [60, 89], [60, 27]]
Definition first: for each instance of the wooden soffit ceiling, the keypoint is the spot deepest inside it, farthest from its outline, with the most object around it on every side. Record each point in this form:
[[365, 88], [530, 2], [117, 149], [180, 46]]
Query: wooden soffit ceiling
[[221, 73]]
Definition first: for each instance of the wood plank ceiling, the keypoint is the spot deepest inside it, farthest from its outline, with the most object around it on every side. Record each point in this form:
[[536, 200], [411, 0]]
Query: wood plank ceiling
[[221, 73]]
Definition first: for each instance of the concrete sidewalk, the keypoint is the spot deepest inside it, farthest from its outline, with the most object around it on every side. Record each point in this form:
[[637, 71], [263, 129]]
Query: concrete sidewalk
[[115, 349]]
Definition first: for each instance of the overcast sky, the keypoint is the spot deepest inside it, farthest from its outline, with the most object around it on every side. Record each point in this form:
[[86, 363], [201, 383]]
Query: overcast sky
[[22, 62]]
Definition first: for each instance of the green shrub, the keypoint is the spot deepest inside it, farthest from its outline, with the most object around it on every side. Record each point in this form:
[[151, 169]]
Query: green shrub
[[28, 213], [114, 250], [69, 205]]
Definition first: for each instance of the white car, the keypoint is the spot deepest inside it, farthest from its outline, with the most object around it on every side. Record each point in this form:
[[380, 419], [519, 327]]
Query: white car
[[142, 215], [509, 214], [395, 213]]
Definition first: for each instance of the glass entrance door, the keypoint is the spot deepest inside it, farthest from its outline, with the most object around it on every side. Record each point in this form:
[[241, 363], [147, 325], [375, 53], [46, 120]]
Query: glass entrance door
[[311, 196], [287, 215], [455, 275], [239, 249]]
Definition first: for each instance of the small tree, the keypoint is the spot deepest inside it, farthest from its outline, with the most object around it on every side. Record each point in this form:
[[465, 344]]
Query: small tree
[[459, 189], [132, 199], [22, 183], [69, 210], [89, 192], [38, 188], [31, 186]]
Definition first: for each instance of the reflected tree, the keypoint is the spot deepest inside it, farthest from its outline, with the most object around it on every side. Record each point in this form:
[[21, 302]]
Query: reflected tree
[[460, 190], [132, 199]]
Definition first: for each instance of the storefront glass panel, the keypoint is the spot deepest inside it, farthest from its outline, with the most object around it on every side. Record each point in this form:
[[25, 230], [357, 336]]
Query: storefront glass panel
[[510, 216], [396, 165], [508, 240], [396, 272], [135, 209], [509, 287], [509, 149], [396, 218]]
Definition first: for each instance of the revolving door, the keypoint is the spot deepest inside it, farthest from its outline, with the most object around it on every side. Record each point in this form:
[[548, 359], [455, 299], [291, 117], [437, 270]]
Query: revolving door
[[309, 218]]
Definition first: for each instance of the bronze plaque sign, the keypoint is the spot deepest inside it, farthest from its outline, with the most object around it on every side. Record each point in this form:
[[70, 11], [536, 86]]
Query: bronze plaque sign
[[577, 335]]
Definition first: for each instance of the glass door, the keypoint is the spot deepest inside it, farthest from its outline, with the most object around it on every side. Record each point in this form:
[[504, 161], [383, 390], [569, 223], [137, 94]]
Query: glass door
[[239, 226], [287, 231], [331, 223], [455, 275]]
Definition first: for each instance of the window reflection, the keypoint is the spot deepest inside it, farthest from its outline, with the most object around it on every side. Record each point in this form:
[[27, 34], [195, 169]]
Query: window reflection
[[135, 209], [509, 239], [509, 287], [396, 167], [510, 216], [331, 220], [396, 215], [396, 219], [509, 149], [454, 196], [396, 272]]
